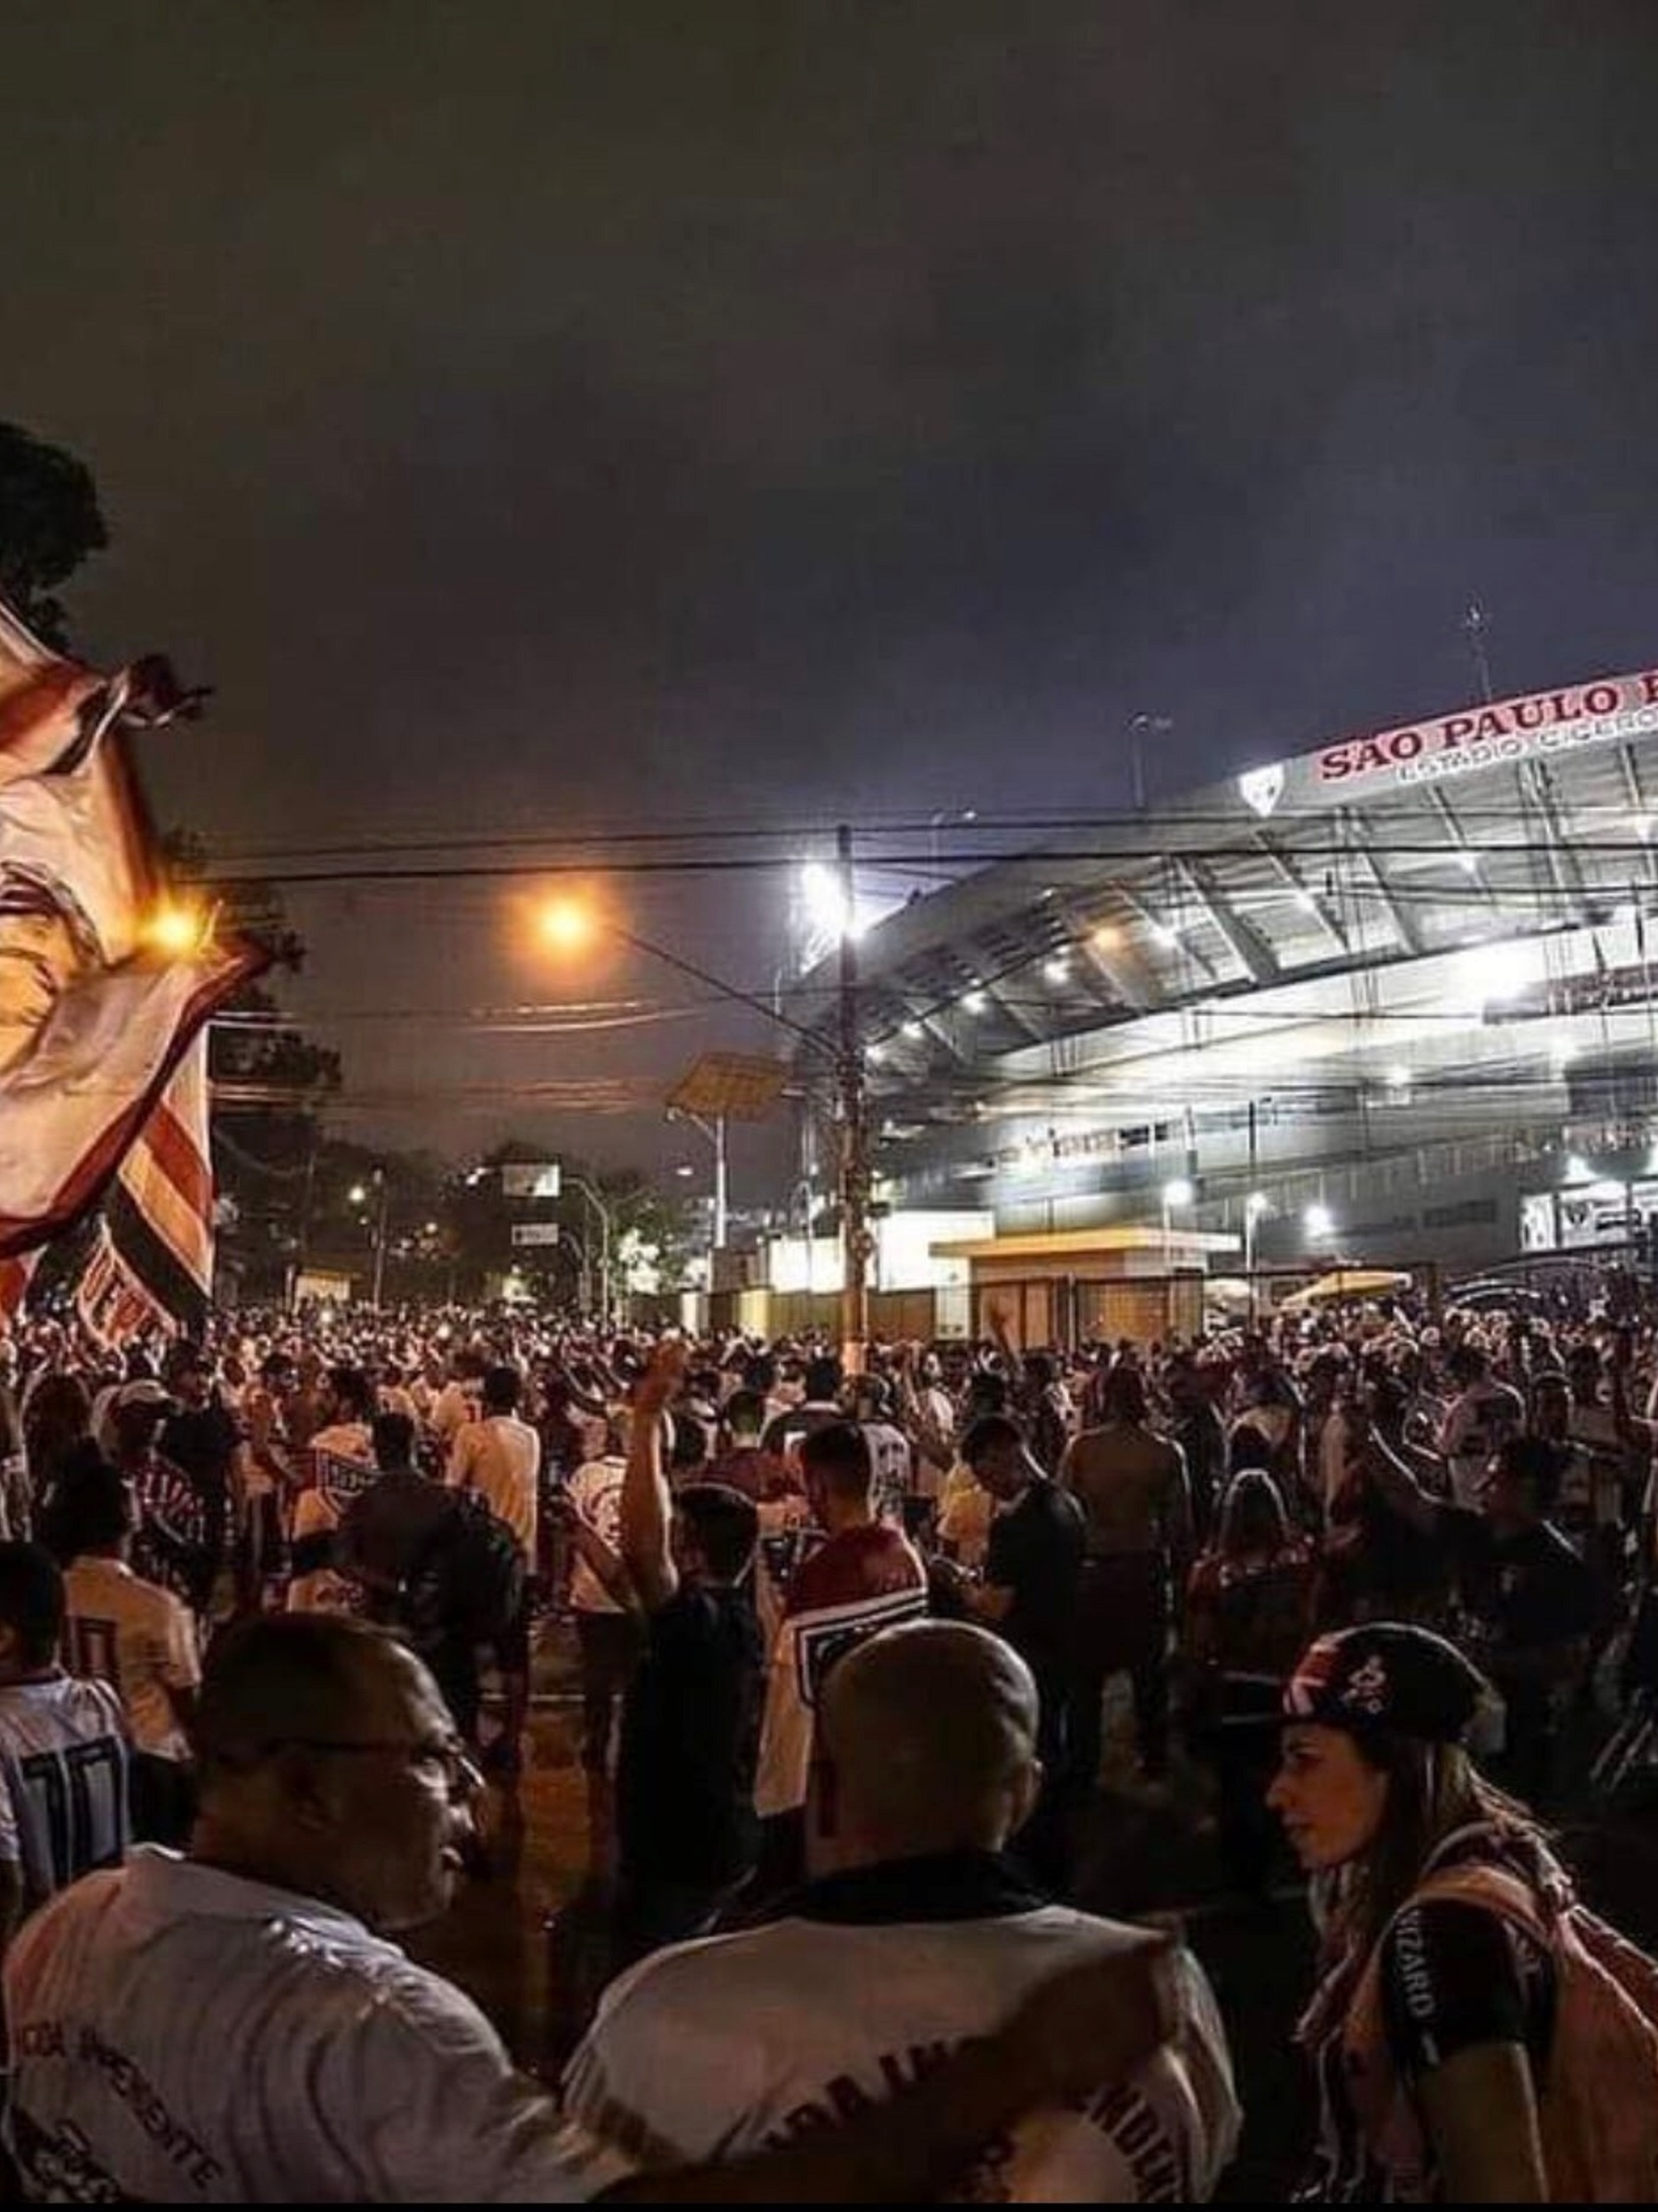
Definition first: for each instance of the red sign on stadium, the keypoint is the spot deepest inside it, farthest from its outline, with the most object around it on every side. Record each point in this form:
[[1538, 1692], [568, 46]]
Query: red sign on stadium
[[1535, 725]]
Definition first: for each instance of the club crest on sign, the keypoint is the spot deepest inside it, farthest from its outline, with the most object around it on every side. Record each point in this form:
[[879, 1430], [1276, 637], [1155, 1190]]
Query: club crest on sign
[[1262, 788]]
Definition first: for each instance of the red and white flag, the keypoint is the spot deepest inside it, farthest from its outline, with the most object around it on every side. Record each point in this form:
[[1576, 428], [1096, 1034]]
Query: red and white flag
[[14, 1281], [152, 1265], [95, 1021]]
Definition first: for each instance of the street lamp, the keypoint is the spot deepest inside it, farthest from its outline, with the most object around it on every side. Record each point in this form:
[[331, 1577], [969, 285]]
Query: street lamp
[[1319, 1224], [715, 1132], [359, 1195], [832, 888], [176, 929], [566, 925]]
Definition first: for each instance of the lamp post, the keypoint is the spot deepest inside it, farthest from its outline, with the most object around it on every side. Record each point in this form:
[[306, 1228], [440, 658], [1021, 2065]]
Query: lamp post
[[358, 1196], [566, 925], [584, 1189], [714, 1130]]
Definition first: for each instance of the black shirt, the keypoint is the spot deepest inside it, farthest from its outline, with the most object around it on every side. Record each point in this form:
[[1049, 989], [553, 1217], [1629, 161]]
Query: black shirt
[[1035, 1551], [200, 1441], [1201, 1436], [1453, 1976], [391, 1530], [1526, 1592], [690, 1737]]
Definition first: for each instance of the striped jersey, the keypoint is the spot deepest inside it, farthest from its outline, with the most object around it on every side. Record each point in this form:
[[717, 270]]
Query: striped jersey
[[63, 1782], [854, 1585]]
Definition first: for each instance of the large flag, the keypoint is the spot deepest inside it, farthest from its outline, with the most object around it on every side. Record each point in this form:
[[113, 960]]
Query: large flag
[[15, 1280], [152, 1265], [95, 1019]]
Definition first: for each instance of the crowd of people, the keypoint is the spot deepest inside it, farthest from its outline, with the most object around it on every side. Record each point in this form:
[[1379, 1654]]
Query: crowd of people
[[1373, 1583]]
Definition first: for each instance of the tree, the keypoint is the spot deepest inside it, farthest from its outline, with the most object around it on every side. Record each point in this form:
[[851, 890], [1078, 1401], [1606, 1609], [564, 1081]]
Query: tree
[[49, 522]]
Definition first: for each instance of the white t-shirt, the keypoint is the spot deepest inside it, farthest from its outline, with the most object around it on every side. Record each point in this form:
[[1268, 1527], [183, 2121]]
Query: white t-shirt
[[595, 1490], [500, 1458], [133, 1634], [63, 1780], [186, 2037], [775, 2028]]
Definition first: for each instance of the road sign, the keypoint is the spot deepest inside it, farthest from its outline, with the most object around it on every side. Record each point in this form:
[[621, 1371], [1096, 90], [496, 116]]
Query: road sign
[[531, 1178], [740, 1086], [535, 1233]]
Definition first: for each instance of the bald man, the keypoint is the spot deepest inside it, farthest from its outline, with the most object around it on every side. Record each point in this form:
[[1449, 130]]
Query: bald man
[[237, 2026], [914, 1934]]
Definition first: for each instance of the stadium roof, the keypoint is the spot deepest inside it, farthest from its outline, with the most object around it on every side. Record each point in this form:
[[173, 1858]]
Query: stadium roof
[[1498, 826]]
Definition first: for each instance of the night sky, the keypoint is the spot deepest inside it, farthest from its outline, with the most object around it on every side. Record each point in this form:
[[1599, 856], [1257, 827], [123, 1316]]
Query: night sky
[[537, 416]]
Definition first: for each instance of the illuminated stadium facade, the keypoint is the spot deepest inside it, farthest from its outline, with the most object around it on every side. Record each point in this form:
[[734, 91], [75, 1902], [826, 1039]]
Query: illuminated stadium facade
[[1390, 1002]]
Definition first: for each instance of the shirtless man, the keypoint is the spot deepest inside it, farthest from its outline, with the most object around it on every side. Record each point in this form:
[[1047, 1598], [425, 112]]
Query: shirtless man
[[1131, 1485]]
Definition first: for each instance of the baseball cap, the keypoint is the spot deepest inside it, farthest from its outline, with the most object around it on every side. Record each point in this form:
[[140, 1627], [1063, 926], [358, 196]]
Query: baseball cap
[[1387, 1676]]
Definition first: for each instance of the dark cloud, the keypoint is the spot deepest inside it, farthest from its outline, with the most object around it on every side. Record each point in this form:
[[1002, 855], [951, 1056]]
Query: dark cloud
[[549, 415]]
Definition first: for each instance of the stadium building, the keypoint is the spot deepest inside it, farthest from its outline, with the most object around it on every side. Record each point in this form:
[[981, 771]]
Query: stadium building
[[1390, 1003]]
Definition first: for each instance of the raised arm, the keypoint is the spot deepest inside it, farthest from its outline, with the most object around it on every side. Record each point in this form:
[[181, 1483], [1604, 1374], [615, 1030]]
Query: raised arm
[[646, 1508]]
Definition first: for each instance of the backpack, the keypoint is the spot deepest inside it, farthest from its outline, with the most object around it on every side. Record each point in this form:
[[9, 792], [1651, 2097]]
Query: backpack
[[1597, 2100], [470, 1582]]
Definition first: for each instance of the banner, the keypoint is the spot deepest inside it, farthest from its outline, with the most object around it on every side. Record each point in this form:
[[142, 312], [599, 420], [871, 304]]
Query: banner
[[1498, 733]]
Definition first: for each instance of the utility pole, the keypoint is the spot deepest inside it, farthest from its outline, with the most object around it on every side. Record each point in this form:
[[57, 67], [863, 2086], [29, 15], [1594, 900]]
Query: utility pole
[[856, 1241], [381, 1178]]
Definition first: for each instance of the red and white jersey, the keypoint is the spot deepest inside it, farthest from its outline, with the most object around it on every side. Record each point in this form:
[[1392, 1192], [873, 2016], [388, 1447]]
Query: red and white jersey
[[181, 2035], [137, 1636], [858, 1583], [341, 1460], [63, 1782], [785, 2027]]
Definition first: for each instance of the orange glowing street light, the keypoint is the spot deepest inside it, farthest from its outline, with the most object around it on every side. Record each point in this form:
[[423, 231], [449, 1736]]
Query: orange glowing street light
[[177, 930], [566, 925]]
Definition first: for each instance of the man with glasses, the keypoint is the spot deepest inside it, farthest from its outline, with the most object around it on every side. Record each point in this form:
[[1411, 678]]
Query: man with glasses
[[237, 2026]]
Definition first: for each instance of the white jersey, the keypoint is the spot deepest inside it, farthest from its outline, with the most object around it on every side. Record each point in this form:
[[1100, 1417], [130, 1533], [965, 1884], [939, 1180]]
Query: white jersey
[[181, 2035], [499, 1457], [132, 1633], [865, 1579], [595, 1490], [786, 2027], [342, 1467], [63, 1782], [891, 1465]]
